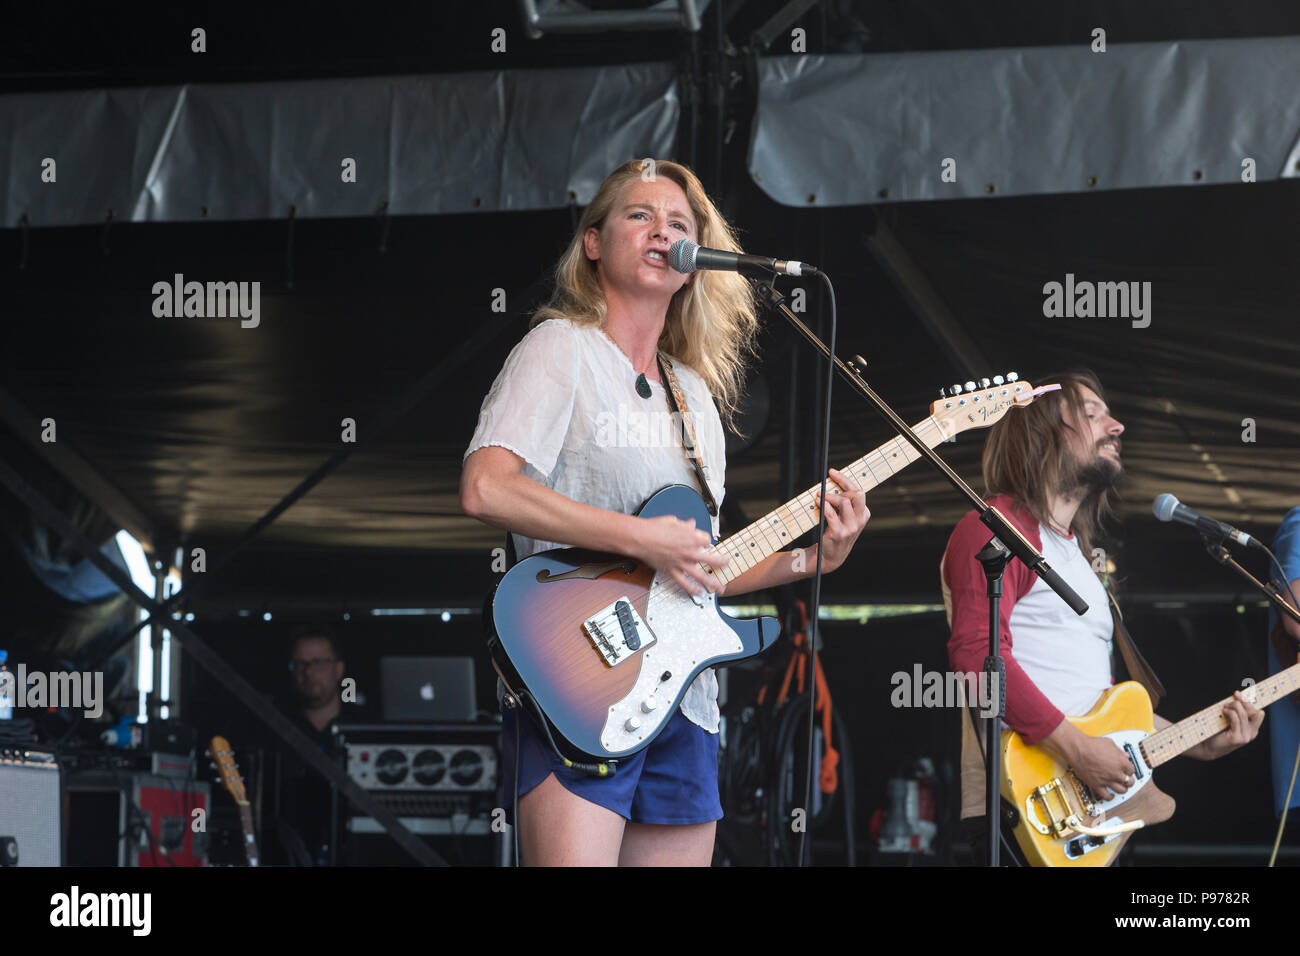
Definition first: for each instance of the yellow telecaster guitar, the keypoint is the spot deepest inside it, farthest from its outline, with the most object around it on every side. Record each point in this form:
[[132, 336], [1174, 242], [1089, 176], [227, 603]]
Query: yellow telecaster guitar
[[1061, 822]]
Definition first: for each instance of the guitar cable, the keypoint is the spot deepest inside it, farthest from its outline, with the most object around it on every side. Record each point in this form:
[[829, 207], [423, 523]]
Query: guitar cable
[[605, 768], [514, 814], [815, 603], [1286, 805], [782, 784]]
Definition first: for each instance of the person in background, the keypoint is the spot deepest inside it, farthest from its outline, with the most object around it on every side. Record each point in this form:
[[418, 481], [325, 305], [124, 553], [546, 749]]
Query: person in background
[[317, 668], [1284, 640]]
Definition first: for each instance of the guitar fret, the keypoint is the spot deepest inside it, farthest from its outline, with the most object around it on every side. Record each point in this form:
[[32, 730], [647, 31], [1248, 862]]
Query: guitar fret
[[770, 532], [1204, 724], [794, 518], [791, 521]]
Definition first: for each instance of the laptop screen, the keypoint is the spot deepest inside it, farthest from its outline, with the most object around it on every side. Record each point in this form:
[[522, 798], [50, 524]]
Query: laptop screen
[[428, 689]]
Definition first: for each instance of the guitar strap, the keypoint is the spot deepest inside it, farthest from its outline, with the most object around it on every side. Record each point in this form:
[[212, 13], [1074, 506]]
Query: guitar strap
[[1137, 666], [677, 402]]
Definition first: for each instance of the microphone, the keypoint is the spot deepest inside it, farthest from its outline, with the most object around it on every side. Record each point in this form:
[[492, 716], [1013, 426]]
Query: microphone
[[687, 256], [1169, 508]]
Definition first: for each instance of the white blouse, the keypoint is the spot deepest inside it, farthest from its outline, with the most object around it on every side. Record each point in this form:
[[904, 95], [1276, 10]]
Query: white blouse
[[566, 403]]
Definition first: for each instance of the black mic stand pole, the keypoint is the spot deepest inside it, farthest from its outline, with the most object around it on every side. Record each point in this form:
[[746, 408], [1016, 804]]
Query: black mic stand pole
[[1007, 542], [1214, 545]]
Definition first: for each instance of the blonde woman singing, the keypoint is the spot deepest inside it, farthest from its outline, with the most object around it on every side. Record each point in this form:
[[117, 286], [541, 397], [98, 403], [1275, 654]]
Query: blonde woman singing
[[553, 461]]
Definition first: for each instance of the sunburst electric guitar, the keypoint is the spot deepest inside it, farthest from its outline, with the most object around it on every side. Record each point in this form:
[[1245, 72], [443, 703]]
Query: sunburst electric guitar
[[1061, 822], [601, 648]]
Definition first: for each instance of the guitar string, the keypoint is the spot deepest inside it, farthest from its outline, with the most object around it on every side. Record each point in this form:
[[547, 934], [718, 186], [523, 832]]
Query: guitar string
[[1267, 692], [865, 460]]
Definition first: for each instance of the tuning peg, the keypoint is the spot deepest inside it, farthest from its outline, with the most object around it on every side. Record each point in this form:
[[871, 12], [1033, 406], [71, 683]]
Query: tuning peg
[[1013, 376], [954, 390], [970, 386], [985, 383], [997, 379]]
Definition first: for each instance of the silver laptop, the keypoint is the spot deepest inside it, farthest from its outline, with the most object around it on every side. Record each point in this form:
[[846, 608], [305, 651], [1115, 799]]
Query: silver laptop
[[428, 689]]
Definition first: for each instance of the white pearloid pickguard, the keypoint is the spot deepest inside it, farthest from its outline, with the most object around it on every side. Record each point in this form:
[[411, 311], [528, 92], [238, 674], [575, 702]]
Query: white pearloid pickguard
[[686, 634]]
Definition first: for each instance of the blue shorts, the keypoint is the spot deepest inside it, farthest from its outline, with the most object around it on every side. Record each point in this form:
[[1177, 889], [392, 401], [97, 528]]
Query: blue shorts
[[673, 781]]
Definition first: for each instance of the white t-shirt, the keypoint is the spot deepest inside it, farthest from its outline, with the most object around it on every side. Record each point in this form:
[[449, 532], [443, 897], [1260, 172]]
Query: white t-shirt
[[1065, 655], [566, 403]]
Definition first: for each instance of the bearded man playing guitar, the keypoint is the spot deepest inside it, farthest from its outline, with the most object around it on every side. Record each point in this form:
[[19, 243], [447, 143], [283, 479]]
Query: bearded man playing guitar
[[1052, 467], [553, 461]]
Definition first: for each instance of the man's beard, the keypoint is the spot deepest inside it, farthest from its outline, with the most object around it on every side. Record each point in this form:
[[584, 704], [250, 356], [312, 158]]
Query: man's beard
[[1094, 477], [314, 701]]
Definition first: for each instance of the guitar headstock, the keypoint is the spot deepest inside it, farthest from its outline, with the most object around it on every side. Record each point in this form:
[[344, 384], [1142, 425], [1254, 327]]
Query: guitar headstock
[[224, 760], [983, 403]]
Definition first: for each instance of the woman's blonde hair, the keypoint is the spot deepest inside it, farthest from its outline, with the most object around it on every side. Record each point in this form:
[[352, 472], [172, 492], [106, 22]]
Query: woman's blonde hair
[[711, 321]]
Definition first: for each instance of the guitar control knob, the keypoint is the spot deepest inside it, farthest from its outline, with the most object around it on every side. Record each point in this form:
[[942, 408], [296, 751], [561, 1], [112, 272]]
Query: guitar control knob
[[632, 724], [648, 705]]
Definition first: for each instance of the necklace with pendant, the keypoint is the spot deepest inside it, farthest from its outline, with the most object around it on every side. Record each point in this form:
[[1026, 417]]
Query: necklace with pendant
[[642, 384]]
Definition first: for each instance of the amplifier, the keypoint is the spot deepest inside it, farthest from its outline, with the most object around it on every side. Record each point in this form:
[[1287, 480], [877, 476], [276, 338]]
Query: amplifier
[[30, 802], [445, 759], [136, 819]]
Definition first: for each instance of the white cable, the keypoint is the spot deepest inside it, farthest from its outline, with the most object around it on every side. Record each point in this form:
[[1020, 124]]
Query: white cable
[[1286, 805]]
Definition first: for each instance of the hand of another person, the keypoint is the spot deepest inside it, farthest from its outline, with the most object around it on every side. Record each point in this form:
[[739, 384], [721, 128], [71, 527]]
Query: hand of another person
[[1244, 721], [1103, 767]]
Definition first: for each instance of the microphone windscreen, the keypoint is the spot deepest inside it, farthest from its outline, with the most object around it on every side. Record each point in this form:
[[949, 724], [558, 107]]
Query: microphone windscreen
[[1164, 507], [681, 255]]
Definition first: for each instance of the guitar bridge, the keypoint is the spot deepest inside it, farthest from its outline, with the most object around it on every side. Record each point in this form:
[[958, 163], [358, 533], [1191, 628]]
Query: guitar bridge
[[1057, 816], [1063, 821], [1086, 798], [617, 632]]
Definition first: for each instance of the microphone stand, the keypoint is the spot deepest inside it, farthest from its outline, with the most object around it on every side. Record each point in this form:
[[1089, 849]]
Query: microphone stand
[[1214, 544], [1007, 542]]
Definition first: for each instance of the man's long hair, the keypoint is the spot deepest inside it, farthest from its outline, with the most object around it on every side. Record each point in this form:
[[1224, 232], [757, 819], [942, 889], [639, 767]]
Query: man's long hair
[[1030, 455], [711, 321]]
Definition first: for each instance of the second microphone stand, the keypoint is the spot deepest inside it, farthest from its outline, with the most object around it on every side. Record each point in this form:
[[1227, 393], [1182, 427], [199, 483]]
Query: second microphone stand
[[1007, 542]]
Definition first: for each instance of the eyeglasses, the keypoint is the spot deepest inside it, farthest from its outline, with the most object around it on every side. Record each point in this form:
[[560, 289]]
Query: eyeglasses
[[316, 663]]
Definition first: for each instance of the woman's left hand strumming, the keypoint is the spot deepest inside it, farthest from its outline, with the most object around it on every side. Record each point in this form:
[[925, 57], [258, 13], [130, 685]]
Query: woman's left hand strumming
[[846, 515]]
